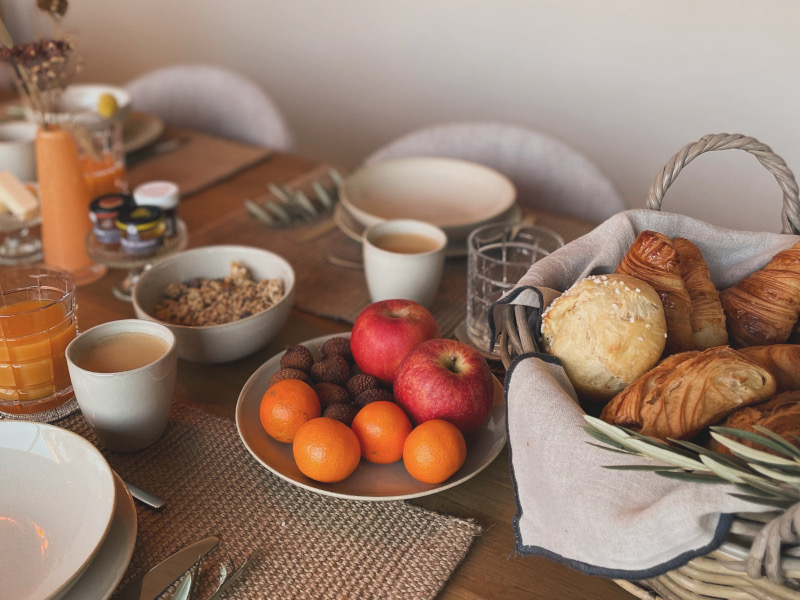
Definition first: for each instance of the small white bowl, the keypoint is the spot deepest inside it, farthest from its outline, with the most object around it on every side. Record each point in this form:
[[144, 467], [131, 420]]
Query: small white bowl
[[79, 98], [229, 341], [456, 195]]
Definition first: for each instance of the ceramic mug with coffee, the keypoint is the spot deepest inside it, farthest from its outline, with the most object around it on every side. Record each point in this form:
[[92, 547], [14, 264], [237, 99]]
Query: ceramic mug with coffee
[[404, 258], [123, 375], [18, 150]]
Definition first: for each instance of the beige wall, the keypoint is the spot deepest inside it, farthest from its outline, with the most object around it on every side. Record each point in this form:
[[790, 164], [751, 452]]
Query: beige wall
[[628, 82]]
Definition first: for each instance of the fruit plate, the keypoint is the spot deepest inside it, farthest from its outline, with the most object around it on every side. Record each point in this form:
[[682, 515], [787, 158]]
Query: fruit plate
[[369, 482]]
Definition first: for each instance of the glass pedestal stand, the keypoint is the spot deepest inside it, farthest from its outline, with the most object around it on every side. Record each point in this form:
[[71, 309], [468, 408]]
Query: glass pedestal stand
[[22, 242], [136, 265]]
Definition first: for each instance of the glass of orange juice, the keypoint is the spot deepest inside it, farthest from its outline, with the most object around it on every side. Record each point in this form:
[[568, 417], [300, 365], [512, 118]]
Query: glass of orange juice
[[102, 156], [37, 321]]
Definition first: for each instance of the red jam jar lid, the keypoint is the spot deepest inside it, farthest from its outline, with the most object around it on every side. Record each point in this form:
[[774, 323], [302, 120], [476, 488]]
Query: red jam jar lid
[[108, 206]]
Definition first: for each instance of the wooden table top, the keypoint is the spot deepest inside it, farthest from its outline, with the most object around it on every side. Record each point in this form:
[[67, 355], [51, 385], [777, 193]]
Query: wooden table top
[[492, 569]]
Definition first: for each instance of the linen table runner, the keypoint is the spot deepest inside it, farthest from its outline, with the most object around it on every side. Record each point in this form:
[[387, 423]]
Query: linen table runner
[[310, 546]]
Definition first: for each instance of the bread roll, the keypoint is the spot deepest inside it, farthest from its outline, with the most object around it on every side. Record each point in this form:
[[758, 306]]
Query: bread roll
[[606, 330]]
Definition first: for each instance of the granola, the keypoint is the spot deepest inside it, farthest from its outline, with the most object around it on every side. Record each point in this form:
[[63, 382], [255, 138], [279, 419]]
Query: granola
[[201, 301]]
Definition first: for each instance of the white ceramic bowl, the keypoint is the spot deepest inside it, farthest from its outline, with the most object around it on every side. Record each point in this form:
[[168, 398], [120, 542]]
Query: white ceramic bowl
[[456, 195], [84, 97], [229, 341], [57, 500]]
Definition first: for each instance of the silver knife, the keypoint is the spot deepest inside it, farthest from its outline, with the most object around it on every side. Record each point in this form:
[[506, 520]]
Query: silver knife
[[165, 573]]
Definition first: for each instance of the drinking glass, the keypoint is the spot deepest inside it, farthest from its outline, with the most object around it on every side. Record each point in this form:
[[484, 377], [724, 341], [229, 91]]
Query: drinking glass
[[102, 156], [498, 256], [37, 322]]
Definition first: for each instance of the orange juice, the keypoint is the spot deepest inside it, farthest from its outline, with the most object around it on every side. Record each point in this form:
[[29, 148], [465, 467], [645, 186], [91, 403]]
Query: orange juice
[[104, 176], [33, 337]]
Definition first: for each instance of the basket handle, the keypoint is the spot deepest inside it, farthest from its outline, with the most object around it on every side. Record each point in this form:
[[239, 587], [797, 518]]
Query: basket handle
[[790, 213]]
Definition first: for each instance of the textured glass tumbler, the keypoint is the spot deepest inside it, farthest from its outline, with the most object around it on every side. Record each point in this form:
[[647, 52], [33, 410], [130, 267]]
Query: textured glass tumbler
[[498, 256]]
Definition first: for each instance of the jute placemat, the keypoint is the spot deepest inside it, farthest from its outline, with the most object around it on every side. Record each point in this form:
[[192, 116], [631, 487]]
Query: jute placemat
[[311, 546]]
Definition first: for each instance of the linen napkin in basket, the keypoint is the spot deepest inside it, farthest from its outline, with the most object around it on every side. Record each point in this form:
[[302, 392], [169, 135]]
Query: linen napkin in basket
[[619, 524]]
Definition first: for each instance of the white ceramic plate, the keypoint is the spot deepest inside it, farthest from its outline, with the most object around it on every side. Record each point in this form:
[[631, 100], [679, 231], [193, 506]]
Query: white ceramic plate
[[105, 572], [370, 481], [57, 498], [140, 129], [354, 230], [456, 195]]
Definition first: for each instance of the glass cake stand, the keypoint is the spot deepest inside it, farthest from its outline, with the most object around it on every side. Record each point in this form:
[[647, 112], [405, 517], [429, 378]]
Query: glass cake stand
[[136, 265], [22, 243]]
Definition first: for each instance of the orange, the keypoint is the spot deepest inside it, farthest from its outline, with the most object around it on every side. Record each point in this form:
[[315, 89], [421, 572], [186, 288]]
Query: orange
[[285, 406], [326, 450], [381, 428], [434, 450]]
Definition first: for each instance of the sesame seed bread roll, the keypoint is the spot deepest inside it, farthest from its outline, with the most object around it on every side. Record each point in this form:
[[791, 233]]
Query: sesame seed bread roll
[[606, 330]]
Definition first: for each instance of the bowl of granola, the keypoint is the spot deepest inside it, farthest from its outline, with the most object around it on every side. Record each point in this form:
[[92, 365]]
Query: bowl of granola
[[221, 302]]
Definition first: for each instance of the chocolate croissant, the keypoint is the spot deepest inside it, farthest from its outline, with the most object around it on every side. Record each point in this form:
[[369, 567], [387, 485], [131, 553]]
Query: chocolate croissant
[[763, 307], [781, 360], [691, 394], [653, 259], [707, 317]]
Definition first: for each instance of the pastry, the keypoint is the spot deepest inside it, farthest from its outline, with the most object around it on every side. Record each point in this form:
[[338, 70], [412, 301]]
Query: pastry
[[653, 259], [781, 360], [763, 307], [606, 330], [697, 392], [707, 317]]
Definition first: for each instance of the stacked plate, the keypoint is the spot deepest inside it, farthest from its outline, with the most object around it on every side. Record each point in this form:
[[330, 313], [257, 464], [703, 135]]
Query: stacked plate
[[456, 195], [67, 522]]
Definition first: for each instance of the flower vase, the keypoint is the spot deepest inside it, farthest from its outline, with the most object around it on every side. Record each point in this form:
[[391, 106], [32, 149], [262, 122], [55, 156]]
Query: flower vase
[[64, 204]]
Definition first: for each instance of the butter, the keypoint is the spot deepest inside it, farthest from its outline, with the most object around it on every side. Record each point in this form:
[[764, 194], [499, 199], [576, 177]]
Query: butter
[[16, 197]]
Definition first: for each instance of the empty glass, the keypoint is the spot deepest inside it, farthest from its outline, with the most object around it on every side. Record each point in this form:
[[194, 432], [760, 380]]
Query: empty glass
[[498, 256]]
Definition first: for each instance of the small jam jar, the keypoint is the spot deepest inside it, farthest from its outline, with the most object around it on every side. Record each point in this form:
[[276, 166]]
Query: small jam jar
[[141, 229], [165, 195], [103, 212]]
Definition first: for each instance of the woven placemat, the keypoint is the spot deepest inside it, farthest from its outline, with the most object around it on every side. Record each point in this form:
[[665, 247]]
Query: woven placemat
[[47, 416], [310, 546]]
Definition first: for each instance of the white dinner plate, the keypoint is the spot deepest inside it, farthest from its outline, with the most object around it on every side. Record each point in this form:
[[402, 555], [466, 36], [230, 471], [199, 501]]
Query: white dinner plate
[[140, 130], [457, 195], [370, 481], [57, 500], [354, 230], [105, 572]]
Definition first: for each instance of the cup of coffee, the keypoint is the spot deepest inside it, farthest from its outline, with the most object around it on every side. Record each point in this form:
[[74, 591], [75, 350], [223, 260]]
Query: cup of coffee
[[18, 150], [403, 258], [123, 376]]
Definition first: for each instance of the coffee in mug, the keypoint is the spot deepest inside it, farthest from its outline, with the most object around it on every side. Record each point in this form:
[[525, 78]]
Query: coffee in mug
[[406, 243], [121, 352]]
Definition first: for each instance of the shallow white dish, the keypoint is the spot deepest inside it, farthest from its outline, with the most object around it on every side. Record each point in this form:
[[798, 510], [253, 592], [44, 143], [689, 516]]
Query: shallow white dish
[[57, 498], [140, 130], [84, 97], [105, 572], [456, 195], [370, 481], [354, 230]]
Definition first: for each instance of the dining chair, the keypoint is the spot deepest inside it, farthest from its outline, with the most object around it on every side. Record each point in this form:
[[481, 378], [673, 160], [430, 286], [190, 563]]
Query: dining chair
[[213, 100], [549, 175]]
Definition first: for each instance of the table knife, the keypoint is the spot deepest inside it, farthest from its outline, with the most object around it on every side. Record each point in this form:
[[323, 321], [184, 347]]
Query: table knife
[[164, 574]]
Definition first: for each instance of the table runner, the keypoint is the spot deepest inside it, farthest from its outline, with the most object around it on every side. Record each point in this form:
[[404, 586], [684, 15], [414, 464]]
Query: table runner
[[310, 546]]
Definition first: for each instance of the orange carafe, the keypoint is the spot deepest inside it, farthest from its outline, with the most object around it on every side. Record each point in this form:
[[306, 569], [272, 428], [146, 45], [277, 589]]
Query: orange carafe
[[104, 176], [33, 366]]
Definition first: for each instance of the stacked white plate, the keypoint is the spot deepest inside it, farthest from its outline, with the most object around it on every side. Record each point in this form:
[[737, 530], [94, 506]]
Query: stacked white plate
[[67, 522], [456, 195]]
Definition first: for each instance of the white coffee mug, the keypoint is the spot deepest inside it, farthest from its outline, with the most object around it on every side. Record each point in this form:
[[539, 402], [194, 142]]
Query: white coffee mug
[[403, 258], [18, 149], [123, 375]]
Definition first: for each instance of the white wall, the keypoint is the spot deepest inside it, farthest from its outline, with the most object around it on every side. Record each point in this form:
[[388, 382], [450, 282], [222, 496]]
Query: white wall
[[628, 82]]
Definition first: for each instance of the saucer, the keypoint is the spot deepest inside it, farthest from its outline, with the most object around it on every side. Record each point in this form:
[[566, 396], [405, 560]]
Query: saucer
[[140, 129]]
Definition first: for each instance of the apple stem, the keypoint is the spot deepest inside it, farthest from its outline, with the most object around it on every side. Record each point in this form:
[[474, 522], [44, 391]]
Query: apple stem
[[452, 364]]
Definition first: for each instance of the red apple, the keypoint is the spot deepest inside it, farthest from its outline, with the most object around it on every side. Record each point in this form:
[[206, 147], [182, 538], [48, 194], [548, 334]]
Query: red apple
[[386, 331], [445, 379]]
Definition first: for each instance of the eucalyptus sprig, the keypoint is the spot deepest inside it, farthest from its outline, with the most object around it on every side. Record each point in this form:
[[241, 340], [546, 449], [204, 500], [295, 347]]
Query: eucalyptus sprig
[[763, 477]]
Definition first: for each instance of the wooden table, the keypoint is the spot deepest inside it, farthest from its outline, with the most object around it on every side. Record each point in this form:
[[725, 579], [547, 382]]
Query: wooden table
[[492, 569]]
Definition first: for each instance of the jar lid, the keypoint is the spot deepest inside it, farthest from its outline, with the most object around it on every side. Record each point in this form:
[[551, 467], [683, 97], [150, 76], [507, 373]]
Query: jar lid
[[110, 204], [164, 194], [140, 217]]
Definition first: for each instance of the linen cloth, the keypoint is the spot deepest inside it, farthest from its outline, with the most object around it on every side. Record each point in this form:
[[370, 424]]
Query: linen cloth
[[620, 524]]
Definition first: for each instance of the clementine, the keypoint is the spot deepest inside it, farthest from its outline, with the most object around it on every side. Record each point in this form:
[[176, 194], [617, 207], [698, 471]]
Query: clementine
[[326, 450], [434, 451], [381, 428], [285, 406]]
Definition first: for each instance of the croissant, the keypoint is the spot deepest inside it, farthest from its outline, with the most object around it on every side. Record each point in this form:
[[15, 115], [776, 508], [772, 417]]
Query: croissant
[[780, 415], [707, 317], [763, 307], [781, 360], [698, 391], [653, 259]]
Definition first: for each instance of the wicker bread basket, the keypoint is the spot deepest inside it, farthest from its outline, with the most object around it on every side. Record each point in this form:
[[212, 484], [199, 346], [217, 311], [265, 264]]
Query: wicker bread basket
[[760, 558]]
